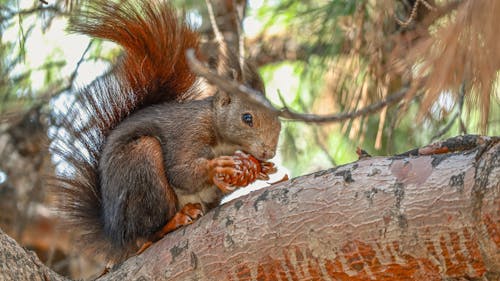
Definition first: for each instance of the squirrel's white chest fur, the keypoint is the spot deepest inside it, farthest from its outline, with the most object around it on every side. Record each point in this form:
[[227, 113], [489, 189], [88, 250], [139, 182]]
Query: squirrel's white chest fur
[[225, 149], [206, 196]]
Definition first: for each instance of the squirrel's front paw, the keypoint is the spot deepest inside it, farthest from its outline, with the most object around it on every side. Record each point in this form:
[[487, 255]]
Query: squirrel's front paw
[[239, 170], [221, 169]]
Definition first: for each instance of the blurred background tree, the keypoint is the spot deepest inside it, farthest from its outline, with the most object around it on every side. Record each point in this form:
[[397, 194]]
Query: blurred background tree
[[319, 57]]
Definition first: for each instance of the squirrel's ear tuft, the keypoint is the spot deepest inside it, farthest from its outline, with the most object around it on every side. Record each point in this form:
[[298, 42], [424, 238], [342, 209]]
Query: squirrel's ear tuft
[[222, 98]]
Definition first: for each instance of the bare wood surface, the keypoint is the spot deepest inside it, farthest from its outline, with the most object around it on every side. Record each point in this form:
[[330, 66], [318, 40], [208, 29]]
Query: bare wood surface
[[403, 218]]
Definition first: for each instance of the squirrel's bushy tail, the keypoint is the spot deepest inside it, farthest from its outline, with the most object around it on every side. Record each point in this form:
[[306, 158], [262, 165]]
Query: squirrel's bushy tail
[[154, 43], [153, 69], [78, 144]]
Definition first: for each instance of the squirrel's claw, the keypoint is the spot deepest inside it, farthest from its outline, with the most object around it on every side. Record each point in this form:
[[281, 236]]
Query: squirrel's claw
[[268, 167], [192, 211], [263, 176], [223, 185], [144, 246]]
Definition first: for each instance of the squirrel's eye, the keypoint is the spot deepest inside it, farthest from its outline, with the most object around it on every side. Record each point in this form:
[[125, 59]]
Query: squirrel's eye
[[248, 119]]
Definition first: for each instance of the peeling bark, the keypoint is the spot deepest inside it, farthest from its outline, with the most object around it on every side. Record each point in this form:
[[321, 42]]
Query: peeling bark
[[434, 217]]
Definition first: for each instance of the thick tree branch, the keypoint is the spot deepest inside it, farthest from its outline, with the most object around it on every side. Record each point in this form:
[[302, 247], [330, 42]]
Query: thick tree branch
[[18, 264], [431, 217], [403, 218]]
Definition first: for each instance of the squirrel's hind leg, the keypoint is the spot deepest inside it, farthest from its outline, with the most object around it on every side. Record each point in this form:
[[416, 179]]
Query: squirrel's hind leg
[[137, 198], [138, 174], [185, 216]]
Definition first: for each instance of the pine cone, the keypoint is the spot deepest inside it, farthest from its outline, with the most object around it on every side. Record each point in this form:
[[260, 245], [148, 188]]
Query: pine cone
[[249, 169]]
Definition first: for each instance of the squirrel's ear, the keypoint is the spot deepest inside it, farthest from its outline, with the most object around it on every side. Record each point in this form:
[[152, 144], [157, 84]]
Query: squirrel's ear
[[222, 98]]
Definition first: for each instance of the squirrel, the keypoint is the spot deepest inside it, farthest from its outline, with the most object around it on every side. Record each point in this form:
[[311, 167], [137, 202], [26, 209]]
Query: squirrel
[[149, 148]]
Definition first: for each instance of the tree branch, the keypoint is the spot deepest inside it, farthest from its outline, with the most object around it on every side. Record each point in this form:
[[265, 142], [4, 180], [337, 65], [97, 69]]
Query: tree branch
[[312, 118], [10, 13], [430, 217], [256, 97], [398, 218], [18, 264], [224, 84]]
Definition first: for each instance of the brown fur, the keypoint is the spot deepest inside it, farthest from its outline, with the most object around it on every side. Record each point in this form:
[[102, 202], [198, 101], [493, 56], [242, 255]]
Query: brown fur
[[154, 41], [139, 142]]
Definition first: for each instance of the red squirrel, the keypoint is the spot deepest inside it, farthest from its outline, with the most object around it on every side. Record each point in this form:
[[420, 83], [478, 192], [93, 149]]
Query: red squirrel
[[149, 149]]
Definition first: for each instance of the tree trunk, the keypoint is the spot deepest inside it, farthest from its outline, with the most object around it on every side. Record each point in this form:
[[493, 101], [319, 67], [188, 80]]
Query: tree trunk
[[17, 263], [399, 218]]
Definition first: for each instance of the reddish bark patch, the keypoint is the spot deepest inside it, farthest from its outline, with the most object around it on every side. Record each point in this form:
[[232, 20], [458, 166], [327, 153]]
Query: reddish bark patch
[[431, 249], [243, 272], [458, 253], [271, 270], [493, 228], [357, 260], [452, 268], [362, 258], [313, 267], [289, 265], [474, 256]]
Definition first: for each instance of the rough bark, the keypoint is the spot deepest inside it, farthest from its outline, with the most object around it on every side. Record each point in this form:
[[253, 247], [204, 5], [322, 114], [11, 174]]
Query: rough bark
[[407, 218], [17, 263], [401, 218]]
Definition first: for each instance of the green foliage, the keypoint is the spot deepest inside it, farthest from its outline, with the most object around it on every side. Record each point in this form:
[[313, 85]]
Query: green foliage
[[26, 76], [327, 31]]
